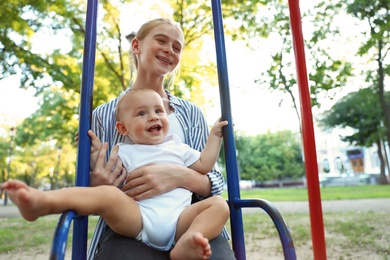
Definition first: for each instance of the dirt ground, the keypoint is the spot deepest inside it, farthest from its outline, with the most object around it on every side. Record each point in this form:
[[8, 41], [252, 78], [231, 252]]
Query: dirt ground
[[336, 246], [265, 248]]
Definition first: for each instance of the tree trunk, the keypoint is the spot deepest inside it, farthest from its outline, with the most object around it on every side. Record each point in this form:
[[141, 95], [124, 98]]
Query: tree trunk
[[2, 180], [382, 175], [386, 157], [381, 83]]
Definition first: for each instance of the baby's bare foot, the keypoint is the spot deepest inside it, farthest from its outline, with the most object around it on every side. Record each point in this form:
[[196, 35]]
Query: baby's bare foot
[[27, 199], [191, 246]]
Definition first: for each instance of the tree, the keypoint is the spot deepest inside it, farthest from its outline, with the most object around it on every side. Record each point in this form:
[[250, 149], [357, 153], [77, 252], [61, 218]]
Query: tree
[[270, 156], [23, 20], [360, 111], [54, 72], [376, 14], [195, 17], [54, 121], [59, 69], [326, 70], [4, 151]]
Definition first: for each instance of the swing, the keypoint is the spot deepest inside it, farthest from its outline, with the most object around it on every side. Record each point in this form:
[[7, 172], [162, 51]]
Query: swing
[[80, 223]]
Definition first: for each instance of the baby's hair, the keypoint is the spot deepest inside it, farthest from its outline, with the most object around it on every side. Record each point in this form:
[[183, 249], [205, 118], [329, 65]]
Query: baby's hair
[[130, 93]]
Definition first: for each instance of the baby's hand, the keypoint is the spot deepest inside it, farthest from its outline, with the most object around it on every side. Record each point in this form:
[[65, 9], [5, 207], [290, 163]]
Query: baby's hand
[[217, 128]]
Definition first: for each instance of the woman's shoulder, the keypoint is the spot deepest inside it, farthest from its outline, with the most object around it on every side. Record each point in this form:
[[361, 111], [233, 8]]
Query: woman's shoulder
[[108, 106], [183, 103]]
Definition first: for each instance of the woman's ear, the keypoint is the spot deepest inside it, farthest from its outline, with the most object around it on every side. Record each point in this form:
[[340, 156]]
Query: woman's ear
[[121, 128], [135, 45]]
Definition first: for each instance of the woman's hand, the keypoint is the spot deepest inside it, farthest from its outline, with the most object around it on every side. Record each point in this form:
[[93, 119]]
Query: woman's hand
[[96, 146], [110, 173], [76, 138], [152, 180], [155, 179]]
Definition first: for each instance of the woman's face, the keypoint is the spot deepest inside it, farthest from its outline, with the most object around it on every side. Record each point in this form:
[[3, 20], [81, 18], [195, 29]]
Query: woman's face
[[160, 51]]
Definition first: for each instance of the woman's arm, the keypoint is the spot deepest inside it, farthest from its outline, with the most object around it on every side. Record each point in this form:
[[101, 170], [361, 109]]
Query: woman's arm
[[152, 180]]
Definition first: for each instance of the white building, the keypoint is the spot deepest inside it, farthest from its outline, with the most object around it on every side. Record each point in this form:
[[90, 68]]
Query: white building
[[337, 158]]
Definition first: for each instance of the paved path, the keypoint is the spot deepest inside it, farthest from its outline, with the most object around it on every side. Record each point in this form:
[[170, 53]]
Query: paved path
[[363, 205]]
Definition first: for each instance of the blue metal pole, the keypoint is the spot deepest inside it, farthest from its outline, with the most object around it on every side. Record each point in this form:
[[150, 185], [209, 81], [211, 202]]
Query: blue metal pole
[[228, 134], [58, 248], [79, 245], [276, 217]]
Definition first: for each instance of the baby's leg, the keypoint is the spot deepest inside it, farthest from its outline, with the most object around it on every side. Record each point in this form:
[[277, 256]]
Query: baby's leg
[[28, 200], [120, 212], [33, 203], [198, 224]]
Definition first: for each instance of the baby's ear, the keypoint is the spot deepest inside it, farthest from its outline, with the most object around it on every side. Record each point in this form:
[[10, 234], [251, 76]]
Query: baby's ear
[[121, 128]]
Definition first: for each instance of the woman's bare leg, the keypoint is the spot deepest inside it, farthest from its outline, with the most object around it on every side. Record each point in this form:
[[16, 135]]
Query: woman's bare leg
[[115, 207], [198, 224]]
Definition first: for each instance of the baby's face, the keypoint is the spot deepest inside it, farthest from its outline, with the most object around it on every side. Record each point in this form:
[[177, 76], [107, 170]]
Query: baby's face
[[144, 118]]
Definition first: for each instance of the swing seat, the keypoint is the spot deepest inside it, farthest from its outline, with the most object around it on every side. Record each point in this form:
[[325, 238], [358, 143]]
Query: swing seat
[[59, 243]]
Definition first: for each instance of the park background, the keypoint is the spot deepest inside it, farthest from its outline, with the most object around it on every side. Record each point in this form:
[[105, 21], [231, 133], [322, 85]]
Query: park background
[[347, 46]]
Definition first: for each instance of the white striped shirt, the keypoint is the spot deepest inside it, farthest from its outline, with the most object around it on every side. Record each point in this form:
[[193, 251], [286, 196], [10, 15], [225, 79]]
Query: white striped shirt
[[195, 130]]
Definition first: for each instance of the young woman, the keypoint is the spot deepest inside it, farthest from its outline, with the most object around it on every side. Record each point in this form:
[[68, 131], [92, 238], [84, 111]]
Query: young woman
[[156, 49]]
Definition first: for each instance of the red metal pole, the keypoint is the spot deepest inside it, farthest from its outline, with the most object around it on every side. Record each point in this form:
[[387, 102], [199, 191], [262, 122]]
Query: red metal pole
[[311, 166]]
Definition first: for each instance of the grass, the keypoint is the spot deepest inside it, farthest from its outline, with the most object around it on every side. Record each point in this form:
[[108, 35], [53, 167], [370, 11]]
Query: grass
[[23, 232], [327, 193], [17, 234], [349, 235]]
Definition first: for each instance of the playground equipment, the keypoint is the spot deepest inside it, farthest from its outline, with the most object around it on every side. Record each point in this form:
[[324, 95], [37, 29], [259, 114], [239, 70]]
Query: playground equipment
[[236, 204]]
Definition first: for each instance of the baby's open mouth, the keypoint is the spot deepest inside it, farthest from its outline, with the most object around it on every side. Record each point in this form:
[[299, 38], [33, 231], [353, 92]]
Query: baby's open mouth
[[154, 128]]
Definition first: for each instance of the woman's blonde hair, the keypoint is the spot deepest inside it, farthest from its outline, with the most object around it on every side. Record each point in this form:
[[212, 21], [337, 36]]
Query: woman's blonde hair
[[143, 31]]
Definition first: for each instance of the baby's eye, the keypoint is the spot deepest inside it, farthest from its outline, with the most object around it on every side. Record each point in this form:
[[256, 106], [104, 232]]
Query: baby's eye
[[142, 113], [159, 111]]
